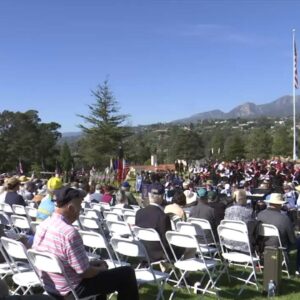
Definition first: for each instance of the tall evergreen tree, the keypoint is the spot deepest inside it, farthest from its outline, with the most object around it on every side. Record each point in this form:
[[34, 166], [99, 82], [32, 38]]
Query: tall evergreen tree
[[104, 128]]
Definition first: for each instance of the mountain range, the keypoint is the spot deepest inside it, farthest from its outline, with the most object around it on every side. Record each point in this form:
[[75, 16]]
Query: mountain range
[[281, 107]]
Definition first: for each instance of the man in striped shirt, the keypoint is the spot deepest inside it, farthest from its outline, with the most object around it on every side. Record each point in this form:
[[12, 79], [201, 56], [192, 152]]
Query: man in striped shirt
[[57, 236]]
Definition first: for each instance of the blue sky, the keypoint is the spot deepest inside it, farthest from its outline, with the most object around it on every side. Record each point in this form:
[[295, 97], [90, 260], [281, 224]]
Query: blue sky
[[164, 59]]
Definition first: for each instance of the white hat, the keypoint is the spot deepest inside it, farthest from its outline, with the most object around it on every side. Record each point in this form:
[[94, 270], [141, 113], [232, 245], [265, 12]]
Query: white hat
[[190, 196], [276, 198]]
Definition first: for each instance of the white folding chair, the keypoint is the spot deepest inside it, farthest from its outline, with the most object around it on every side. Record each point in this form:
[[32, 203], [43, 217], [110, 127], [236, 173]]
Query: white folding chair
[[91, 224], [151, 235], [135, 249], [117, 210], [97, 242], [268, 230], [31, 213], [196, 230], [206, 226], [24, 279], [5, 219], [19, 209], [129, 219], [195, 264], [34, 225], [111, 216], [7, 208], [235, 247], [21, 223], [119, 228], [49, 263], [234, 224]]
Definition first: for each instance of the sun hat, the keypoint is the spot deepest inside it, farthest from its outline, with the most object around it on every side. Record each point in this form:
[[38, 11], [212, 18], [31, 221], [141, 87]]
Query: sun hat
[[276, 198], [54, 183], [190, 196]]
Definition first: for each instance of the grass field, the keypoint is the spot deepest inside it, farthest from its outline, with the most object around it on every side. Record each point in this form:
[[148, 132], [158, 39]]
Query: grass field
[[289, 289]]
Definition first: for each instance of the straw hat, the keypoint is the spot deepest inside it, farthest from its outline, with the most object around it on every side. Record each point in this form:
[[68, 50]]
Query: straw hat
[[276, 198], [190, 196]]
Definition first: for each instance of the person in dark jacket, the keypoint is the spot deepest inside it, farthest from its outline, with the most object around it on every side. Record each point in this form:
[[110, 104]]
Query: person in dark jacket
[[12, 197]]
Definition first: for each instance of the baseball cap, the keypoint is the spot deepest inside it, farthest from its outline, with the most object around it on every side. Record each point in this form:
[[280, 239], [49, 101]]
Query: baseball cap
[[54, 183], [202, 192], [157, 189], [66, 194]]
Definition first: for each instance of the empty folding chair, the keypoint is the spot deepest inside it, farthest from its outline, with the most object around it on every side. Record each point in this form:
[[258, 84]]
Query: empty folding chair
[[25, 280], [91, 224], [151, 235], [135, 249], [19, 209], [268, 230], [111, 216], [209, 233], [235, 247], [119, 228], [49, 263], [199, 263], [5, 219], [197, 231], [117, 210], [97, 242]]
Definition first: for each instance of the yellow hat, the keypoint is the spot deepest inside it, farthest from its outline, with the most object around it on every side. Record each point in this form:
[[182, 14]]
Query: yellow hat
[[54, 183]]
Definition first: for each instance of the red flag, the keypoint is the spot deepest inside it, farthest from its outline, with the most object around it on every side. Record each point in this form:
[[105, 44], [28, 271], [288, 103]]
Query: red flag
[[296, 84]]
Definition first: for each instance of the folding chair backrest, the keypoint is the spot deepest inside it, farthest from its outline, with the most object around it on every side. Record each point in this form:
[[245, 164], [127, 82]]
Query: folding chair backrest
[[92, 213], [111, 216], [181, 240], [14, 249], [117, 210], [119, 228], [131, 248], [19, 209], [129, 219], [129, 212], [31, 211], [5, 219], [7, 208], [235, 224], [268, 230], [93, 239], [189, 228], [228, 234], [205, 225], [89, 223], [34, 225], [146, 234], [20, 222], [105, 206]]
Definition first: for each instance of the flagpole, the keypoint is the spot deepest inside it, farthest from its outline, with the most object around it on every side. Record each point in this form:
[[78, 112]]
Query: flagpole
[[294, 98]]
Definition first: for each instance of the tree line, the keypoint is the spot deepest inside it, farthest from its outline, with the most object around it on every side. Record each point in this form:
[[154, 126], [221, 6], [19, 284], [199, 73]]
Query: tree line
[[37, 145]]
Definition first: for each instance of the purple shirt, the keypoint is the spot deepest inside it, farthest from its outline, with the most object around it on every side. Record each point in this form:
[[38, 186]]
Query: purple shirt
[[55, 235]]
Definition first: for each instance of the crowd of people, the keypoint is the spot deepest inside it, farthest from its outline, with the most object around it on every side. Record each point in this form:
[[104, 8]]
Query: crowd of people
[[253, 192]]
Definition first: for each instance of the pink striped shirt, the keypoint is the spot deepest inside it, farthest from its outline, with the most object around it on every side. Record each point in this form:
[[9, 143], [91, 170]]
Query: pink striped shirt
[[57, 236]]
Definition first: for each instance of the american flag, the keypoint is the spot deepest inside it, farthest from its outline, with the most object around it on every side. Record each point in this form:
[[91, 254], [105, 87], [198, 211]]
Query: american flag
[[295, 67]]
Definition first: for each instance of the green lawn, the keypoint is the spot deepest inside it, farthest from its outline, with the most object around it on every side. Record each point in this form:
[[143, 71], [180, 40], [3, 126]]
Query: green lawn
[[289, 289]]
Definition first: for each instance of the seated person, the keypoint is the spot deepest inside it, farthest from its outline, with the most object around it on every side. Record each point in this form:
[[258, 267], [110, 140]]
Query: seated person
[[56, 235], [153, 216], [47, 205], [175, 210]]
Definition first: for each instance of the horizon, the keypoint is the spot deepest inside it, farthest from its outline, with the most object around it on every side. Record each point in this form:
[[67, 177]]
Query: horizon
[[178, 57]]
